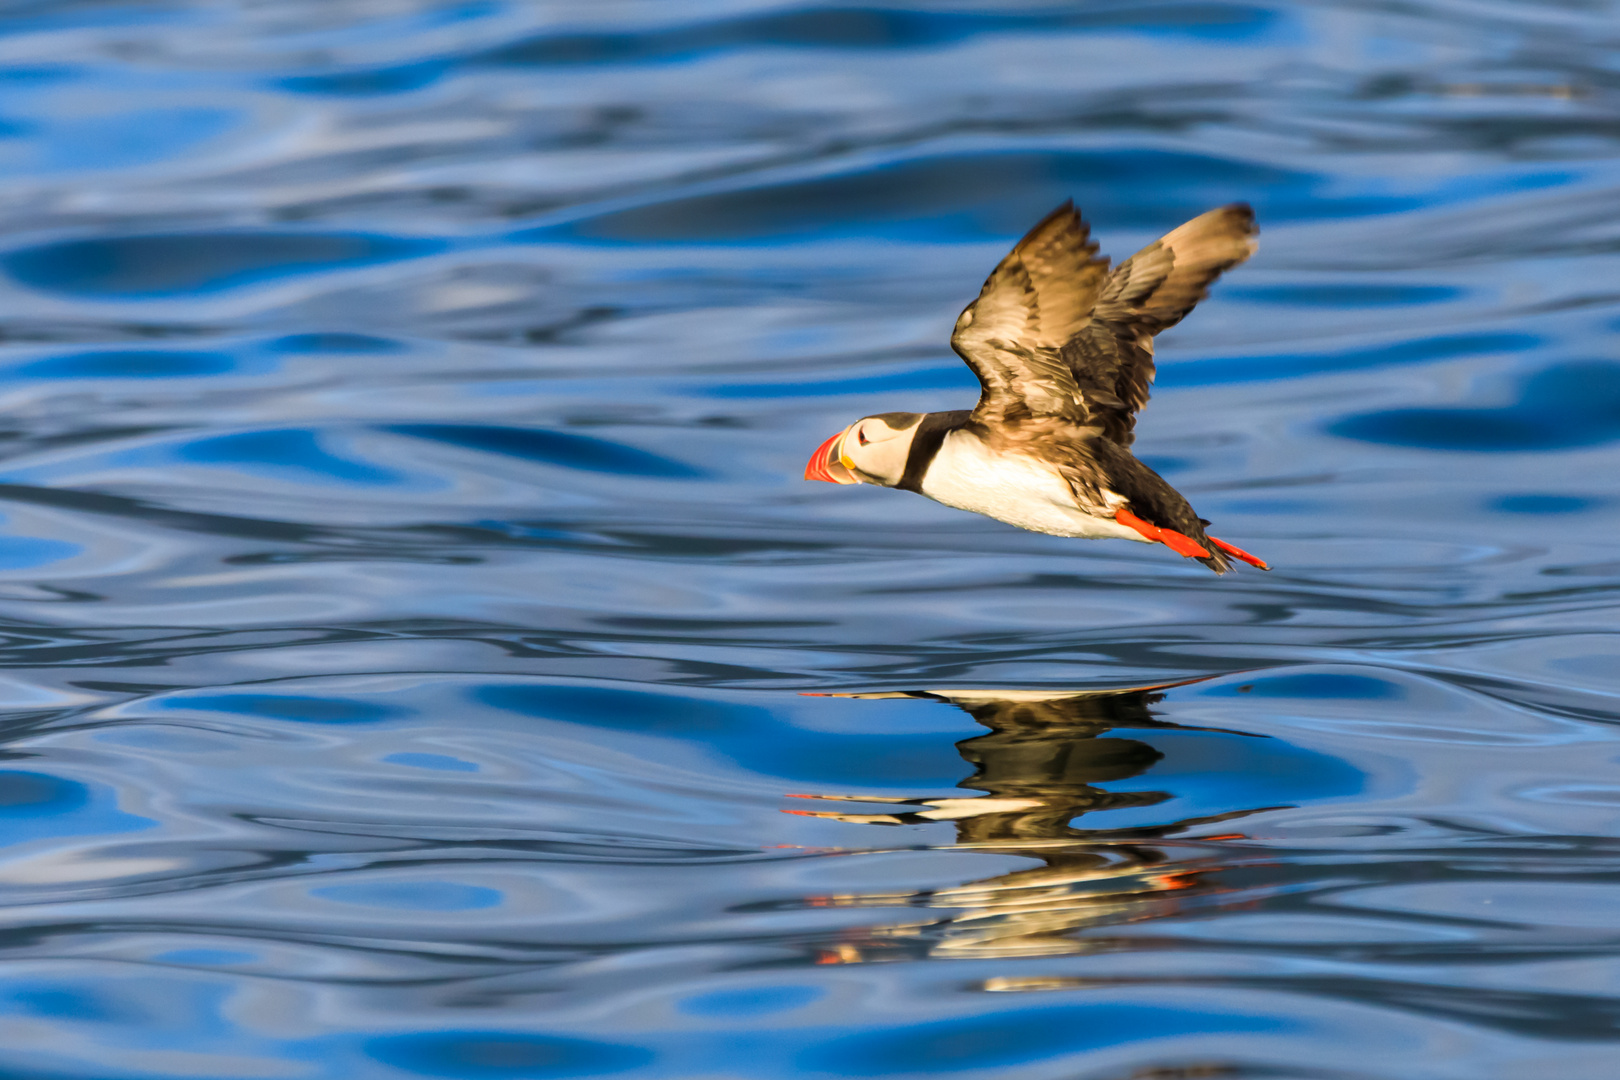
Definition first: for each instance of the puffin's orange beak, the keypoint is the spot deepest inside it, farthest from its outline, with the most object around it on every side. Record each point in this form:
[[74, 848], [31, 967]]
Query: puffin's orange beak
[[824, 464]]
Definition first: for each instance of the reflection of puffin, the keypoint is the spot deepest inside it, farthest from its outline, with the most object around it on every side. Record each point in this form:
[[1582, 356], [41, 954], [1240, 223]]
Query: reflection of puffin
[[1064, 352], [1039, 766]]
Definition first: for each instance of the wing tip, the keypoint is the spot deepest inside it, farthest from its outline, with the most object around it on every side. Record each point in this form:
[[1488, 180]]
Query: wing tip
[[1217, 239], [1065, 212], [1241, 211], [1242, 214]]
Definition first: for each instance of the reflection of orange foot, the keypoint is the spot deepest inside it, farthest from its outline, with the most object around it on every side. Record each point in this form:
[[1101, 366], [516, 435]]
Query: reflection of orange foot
[[843, 954], [1173, 880], [854, 819]]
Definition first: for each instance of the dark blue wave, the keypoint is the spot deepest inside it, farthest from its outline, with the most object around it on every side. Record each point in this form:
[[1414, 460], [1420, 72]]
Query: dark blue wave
[[1238, 369], [1014, 1037], [552, 448], [302, 708], [413, 895], [35, 805], [1344, 295], [803, 28], [1006, 1038], [1315, 685], [463, 1055], [332, 342], [1539, 503], [128, 364], [1565, 407], [181, 263], [396, 79], [978, 196], [952, 375], [295, 452]]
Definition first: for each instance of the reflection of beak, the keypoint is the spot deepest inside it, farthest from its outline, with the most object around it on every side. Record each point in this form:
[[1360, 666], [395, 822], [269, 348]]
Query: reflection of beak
[[825, 465]]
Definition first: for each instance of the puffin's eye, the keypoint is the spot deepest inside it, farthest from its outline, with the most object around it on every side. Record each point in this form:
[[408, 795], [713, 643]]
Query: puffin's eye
[[860, 436]]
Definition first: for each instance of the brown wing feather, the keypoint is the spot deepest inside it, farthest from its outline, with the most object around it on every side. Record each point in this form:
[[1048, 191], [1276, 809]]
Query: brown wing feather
[[1052, 333], [1038, 298], [1149, 292]]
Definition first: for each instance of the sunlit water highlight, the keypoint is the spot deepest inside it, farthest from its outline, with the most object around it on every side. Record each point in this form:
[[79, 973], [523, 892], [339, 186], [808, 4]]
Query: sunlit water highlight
[[415, 624]]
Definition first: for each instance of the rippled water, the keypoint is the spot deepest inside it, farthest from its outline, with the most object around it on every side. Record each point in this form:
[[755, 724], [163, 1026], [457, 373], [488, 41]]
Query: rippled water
[[415, 623]]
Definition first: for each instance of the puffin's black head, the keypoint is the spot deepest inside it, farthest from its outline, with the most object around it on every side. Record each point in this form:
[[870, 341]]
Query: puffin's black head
[[872, 450]]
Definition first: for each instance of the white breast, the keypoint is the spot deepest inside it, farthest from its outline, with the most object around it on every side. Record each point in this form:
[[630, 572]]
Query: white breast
[[1022, 491]]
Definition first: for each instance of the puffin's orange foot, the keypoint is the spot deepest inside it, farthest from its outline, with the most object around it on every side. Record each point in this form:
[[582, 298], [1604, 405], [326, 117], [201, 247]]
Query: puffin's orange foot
[[1176, 542], [1239, 553]]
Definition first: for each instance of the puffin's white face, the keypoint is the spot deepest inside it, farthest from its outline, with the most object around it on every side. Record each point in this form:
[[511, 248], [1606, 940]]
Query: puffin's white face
[[872, 450]]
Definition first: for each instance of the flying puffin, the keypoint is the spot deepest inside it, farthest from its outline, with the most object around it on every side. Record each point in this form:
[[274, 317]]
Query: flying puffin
[[1063, 349]]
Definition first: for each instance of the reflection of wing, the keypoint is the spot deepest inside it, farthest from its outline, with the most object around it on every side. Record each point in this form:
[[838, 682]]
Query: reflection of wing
[[1061, 715], [1054, 334], [1054, 713], [1048, 714]]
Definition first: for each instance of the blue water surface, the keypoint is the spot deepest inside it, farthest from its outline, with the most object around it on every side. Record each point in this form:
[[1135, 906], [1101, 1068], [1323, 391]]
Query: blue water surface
[[423, 657]]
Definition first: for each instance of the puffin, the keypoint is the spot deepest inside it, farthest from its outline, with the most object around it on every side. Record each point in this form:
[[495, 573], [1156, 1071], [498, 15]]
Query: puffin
[[1063, 350]]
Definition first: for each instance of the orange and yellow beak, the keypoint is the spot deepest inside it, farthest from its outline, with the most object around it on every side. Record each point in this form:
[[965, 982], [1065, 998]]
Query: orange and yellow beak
[[827, 462]]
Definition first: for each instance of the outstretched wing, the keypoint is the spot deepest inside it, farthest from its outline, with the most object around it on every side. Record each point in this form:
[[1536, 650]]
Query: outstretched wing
[[1054, 334], [1033, 304], [1149, 292]]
